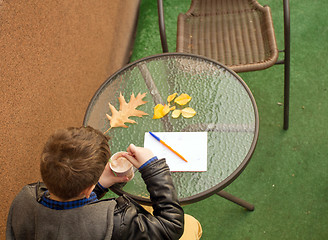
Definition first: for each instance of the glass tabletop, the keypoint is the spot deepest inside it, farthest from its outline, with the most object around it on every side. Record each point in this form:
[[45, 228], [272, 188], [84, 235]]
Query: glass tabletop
[[225, 109]]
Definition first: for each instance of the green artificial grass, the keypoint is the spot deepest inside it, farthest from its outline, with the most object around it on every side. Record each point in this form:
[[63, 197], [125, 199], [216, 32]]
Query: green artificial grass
[[286, 178]]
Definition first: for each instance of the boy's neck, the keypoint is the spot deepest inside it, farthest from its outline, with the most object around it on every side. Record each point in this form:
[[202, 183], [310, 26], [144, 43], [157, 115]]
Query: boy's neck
[[84, 194], [54, 197]]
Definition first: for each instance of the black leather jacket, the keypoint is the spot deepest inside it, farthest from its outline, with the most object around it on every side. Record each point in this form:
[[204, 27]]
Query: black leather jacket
[[132, 221]]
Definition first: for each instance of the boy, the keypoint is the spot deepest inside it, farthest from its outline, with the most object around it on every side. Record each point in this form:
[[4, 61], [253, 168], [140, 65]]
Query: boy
[[75, 170]]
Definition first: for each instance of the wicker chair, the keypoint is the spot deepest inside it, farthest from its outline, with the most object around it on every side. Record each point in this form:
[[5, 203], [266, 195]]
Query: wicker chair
[[237, 33]]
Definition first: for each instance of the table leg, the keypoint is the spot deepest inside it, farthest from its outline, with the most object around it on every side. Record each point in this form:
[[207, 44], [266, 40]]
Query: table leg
[[154, 93], [232, 198]]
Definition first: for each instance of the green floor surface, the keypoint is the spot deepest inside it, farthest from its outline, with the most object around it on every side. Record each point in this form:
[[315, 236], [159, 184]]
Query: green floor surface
[[286, 178]]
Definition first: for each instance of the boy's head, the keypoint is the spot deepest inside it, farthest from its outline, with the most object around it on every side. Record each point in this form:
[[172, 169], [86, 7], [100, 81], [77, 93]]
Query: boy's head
[[72, 160]]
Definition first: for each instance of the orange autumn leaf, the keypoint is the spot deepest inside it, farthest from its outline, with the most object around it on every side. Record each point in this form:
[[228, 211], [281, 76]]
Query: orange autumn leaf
[[119, 118]]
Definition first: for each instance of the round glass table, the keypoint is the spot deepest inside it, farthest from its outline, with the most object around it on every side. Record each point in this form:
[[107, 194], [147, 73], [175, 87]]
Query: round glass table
[[225, 108]]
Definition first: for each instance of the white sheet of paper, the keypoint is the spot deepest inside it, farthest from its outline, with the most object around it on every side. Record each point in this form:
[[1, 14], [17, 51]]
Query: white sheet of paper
[[191, 145]]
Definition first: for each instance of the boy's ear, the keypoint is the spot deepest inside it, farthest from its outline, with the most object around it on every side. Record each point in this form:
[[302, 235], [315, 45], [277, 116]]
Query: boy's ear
[[86, 192]]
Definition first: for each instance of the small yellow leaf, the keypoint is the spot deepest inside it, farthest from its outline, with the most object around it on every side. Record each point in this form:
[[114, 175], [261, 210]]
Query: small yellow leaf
[[171, 97], [160, 111], [188, 112], [176, 113], [165, 110], [183, 99]]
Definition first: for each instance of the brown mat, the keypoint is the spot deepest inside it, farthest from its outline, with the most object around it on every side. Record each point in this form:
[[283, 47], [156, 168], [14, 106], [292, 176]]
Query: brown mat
[[53, 57]]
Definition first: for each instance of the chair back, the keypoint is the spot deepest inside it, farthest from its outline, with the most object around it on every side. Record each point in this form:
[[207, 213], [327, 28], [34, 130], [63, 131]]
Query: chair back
[[237, 33]]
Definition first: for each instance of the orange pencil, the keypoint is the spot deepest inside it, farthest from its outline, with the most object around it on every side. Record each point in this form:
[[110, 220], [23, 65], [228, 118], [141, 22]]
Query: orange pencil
[[162, 142]]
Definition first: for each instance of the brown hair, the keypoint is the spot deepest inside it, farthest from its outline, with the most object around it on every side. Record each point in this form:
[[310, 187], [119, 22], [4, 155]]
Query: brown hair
[[72, 160]]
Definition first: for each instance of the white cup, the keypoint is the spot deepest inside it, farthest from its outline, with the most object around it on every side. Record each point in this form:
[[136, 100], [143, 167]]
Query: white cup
[[121, 166]]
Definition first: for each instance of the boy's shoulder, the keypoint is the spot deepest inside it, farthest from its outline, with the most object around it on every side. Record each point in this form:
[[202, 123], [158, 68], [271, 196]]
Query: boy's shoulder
[[27, 215], [30, 192], [30, 196]]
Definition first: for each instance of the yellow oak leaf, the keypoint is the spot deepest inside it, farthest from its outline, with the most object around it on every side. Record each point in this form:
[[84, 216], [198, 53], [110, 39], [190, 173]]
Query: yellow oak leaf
[[183, 99], [119, 118]]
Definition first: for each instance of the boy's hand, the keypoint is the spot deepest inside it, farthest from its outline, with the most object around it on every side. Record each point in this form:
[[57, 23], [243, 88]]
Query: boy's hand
[[108, 178], [138, 155]]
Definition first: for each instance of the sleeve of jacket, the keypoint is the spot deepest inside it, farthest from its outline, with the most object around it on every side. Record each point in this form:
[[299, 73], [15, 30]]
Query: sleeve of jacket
[[99, 191], [132, 221]]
